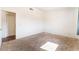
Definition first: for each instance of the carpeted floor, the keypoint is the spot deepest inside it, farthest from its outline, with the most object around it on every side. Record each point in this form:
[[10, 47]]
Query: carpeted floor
[[34, 42]]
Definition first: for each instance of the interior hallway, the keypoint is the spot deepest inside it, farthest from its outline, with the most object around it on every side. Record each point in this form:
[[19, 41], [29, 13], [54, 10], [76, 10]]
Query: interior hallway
[[34, 42]]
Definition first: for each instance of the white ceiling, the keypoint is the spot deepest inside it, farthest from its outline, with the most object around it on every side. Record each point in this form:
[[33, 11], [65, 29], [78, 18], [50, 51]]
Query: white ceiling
[[47, 8], [53, 8], [44, 9]]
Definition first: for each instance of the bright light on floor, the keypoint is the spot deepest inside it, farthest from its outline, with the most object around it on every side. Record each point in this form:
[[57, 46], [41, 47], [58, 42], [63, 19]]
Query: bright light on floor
[[49, 46]]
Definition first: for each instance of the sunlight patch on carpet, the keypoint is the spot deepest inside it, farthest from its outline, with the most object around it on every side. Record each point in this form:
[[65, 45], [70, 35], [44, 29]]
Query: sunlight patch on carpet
[[49, 46]]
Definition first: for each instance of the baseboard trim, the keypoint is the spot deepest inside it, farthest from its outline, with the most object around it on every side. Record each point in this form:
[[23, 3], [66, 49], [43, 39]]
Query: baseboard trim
[[9, 38]]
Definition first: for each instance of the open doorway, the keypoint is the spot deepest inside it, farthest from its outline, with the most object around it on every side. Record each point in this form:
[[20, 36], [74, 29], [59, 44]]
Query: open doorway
[[8, 26]]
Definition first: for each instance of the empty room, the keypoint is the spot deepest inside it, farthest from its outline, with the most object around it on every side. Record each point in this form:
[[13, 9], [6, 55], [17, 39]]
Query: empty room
[[39, 29]]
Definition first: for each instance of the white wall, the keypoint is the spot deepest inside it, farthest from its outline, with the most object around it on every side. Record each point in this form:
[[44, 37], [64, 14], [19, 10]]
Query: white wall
[[62, 21], [0, 20], [4, 25], [27, 26], [27, 22], [1, 29]]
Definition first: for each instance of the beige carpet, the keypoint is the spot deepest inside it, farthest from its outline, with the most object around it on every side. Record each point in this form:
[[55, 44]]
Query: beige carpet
[[34, 42]]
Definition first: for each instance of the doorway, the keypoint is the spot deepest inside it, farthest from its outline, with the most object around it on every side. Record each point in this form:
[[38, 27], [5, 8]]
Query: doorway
[[8, 26]]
